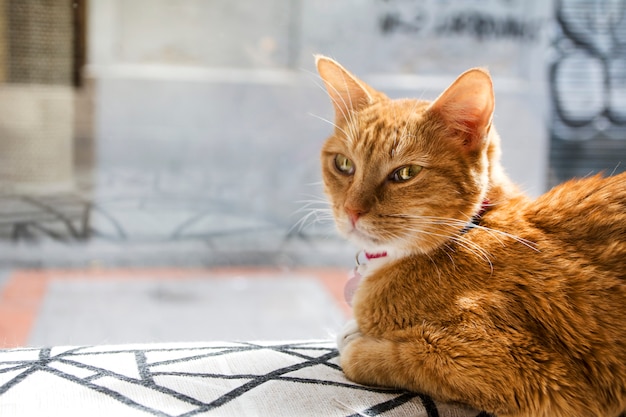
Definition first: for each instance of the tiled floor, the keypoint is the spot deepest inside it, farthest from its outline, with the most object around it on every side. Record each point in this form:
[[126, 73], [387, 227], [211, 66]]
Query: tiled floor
[[79, 307]]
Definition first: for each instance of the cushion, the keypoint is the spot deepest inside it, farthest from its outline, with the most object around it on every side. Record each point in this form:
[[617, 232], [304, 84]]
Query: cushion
[[300, 378]]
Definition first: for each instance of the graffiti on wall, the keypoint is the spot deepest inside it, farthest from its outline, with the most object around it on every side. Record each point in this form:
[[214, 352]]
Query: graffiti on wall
[[588, 89], [400, 17], [588, 76]]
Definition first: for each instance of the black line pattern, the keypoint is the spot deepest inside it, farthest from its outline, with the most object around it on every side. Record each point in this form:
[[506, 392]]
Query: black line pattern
[[186, 380]]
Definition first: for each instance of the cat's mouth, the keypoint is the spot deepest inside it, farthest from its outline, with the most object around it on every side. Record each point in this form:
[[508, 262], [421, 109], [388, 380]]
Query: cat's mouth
[[372, 241], [361, 233], [356, 234]]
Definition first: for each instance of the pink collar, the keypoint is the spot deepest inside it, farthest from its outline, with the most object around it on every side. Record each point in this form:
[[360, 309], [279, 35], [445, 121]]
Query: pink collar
[[377, 255], [368, 256], [475, 220], [483, 208]]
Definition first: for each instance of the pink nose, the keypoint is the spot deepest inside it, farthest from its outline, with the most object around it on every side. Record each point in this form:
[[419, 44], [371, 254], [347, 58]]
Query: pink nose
[[354, 214]]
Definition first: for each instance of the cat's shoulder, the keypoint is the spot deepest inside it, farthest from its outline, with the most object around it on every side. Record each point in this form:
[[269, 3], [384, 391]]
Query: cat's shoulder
[[582, 207], [590, 193]]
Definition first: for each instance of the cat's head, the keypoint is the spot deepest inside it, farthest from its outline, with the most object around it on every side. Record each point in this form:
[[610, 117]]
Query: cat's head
[[404, 176]]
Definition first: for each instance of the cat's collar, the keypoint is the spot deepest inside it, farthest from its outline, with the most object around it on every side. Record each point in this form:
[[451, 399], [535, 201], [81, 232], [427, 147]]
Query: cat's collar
[[368, 256], [475, 220]]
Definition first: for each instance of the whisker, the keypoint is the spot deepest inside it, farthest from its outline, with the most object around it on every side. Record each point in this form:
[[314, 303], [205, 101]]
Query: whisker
[[309, 210], [474, 248], [314, 199], [467, 244], [316, 209], [312, 207], [350, 116], [460, 240], [314, 216], [448, 253], [333, 124], [529, 244], [463, 242], [495, 233], [437, 267]]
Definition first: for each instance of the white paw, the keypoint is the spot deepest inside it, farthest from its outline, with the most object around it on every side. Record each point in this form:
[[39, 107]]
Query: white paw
[[349, 332]]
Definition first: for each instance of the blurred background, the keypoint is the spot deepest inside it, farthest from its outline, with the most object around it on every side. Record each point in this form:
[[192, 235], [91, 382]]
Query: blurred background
[[166, 135]]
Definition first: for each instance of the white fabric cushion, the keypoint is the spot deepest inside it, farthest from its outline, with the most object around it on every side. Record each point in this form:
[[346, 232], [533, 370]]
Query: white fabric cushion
[[196, 379]]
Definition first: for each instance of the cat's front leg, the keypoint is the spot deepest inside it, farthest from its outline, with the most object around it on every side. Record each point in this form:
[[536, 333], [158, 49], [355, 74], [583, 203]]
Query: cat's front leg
[[395, 364], [349, 333], [404, 363], [354, 348]]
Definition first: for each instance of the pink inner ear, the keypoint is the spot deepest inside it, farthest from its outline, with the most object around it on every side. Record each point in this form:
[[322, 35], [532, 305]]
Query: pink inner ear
[[467, 105]]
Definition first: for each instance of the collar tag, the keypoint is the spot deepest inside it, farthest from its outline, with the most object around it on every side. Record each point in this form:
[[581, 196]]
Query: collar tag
[[354, 280]]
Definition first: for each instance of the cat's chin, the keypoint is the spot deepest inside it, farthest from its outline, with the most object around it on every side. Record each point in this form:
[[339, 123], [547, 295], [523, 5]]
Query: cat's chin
[[360, 238], [395, 249], [371, 245]]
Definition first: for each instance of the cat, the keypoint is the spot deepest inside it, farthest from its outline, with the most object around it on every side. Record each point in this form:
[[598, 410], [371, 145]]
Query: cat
[[473, 293]]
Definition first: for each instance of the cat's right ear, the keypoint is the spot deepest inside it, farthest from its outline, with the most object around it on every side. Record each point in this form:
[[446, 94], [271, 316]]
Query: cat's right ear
[[467, 106], [348, 93]]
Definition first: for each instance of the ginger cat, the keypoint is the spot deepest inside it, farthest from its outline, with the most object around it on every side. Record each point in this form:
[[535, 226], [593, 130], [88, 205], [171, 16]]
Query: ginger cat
[[474, 293]]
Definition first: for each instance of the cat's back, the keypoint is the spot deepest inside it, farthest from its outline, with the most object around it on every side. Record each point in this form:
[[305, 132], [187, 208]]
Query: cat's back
[[587, 216]]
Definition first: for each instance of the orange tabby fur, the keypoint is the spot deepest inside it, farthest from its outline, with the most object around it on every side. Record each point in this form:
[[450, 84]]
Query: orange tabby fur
[[523, 315]]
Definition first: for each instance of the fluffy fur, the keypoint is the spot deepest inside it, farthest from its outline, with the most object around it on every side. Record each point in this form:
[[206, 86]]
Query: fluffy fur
[[522, 315]]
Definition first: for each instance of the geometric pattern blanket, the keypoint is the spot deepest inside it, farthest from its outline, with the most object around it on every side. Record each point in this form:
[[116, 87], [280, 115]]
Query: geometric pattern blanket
[[197, 379]]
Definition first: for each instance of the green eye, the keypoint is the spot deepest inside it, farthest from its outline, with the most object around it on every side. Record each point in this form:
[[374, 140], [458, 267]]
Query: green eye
[[344, 165], [405, 173]]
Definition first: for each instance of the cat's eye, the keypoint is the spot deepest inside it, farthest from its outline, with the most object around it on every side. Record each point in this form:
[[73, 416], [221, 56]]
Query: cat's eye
[[405, 173], [344, 165]]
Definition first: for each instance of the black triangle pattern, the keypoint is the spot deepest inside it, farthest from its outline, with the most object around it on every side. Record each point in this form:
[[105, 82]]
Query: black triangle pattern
[[145, 365]]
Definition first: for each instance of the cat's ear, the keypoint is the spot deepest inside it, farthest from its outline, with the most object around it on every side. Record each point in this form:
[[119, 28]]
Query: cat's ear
[[467, 106], [348, 93]]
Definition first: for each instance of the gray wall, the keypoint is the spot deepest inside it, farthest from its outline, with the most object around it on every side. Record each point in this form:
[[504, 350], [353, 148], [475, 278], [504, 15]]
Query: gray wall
[[208, 112], [208, 117]]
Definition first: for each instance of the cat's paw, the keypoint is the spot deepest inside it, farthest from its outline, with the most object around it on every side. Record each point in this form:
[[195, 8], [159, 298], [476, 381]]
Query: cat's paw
[[349, 332]]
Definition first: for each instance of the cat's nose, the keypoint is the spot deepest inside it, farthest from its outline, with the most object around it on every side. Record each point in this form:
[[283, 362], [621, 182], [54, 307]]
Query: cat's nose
[[354, 213]]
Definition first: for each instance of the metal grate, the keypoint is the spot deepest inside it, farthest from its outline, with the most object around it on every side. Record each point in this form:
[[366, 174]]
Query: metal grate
[[36, 97], [40, 47]]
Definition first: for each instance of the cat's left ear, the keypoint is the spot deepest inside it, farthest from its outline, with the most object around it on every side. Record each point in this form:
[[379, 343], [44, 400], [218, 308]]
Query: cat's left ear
[[347, 92], [467, 106]]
